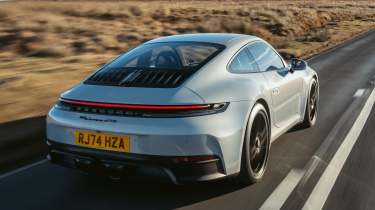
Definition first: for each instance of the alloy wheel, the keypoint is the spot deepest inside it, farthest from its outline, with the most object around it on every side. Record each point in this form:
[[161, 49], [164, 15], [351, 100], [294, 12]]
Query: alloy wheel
[[313, 101], [259, 143]]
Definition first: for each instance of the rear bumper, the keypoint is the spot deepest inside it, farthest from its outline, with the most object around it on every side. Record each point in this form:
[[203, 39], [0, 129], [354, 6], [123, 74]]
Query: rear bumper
[[218, 134], [117, 164]]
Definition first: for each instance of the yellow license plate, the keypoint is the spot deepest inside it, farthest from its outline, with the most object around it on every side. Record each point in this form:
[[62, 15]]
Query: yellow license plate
[[102, 141]]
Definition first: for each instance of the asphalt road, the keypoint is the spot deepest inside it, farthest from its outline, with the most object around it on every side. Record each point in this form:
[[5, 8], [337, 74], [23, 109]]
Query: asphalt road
[[20, 148], [355, 186], [342, 71]]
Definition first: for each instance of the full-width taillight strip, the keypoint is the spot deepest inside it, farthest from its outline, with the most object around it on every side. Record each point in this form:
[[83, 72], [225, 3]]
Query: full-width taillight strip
[[134, 106]]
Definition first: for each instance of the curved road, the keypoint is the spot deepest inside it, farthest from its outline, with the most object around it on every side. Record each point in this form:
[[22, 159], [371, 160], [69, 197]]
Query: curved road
[[342, 71]]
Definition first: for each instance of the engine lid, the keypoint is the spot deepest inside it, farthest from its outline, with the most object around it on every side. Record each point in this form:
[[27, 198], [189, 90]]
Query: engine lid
[[133, 95]]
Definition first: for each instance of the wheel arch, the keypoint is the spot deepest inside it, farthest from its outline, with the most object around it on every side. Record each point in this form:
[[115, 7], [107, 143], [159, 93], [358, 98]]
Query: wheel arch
[[250, 117], [264, 103], [314, 77]]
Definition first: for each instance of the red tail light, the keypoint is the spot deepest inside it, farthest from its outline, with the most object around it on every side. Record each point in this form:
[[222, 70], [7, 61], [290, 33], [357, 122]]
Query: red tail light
[[137, 110], [133, 106]]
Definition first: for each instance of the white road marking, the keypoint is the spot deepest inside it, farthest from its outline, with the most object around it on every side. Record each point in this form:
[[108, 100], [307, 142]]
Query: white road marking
[[359, 93], [320, 193], [22, 169], [283, 190]]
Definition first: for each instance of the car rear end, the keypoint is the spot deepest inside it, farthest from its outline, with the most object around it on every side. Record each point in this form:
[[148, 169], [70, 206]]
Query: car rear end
[[183, 148], [140, 119]]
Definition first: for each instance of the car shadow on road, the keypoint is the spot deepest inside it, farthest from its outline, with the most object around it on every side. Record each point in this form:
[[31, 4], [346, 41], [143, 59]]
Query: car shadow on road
[[143, 193]]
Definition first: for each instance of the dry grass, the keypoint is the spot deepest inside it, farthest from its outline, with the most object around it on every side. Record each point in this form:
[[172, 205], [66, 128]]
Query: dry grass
[[46, 47]]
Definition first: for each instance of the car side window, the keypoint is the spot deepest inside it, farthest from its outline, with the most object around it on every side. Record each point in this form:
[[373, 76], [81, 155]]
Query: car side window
[[243, 63], [266, 58]]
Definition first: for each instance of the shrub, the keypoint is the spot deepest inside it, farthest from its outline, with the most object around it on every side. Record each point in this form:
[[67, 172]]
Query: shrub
[[135, 10]]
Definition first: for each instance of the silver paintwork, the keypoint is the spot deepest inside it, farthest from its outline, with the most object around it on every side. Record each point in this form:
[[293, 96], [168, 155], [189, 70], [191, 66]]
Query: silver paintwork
[[220, 134]]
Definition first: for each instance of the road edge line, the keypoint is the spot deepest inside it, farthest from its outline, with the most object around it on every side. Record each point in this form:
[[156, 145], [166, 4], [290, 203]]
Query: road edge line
[[322, 189], [16, 171], [315, 167], [282, 191]]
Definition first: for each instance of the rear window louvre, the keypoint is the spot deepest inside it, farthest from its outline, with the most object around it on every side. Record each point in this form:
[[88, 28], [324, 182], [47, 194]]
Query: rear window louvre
[[156, 65], [126, 77]]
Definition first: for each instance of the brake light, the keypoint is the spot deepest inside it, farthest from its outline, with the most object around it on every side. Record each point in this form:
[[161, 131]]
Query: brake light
[[137, 110], [133, 106]]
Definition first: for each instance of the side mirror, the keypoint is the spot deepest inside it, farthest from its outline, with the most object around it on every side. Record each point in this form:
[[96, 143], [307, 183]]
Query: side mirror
[[297, 64], [284, 71]]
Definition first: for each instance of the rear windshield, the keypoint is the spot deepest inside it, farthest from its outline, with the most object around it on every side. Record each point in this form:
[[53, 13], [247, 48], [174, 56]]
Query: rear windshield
[[156, 65], [168, 55]]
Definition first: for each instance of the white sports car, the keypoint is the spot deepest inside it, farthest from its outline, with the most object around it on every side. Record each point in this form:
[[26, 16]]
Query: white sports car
[[193, 107]]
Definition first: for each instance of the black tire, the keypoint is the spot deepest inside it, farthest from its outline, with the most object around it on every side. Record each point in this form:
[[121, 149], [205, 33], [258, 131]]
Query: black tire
[[311, 111], [255, 147]]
